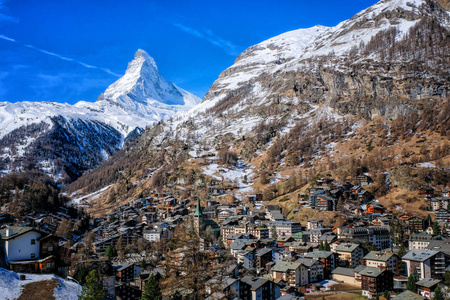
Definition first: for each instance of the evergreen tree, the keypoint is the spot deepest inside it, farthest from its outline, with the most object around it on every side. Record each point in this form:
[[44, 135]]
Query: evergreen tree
[[321, 246], [411, 283], [274, 233], [447, 278], [436, 228], [377, 297], [93, 288], [326, 246], [401, 250], [369, 246], [428, 221], [152, 289], [110, 252], [387, 295], [438, 294]]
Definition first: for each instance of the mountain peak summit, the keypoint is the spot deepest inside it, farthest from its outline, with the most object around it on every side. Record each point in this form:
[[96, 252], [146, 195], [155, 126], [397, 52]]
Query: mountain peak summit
[[143, 56], [143, 90]]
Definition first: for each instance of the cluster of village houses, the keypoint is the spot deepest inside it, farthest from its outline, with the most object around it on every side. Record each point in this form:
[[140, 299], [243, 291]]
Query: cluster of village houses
[[274, 258]]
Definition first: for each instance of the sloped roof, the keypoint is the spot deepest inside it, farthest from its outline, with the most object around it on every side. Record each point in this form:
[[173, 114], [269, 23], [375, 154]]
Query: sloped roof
[[408, 295], [371, 272], [284, 266], [379, 256], [427, 282], [16, 231], [419, 255], [318, 254], [346, 247]]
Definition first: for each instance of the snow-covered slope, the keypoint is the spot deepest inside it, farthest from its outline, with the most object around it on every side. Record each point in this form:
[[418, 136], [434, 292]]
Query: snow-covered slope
[[11, 287], [141, 97], [291, 100], [295, 50]]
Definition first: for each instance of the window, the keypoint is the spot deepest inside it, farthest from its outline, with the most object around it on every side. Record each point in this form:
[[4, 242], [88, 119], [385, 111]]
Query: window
[[33, 255], [33, 241], [49, 265]]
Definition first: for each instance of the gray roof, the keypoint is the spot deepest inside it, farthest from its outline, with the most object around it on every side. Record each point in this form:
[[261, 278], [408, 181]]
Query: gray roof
[[371, 272], [440, 245], [308, 261], [419, 255], [284, 266], [16, 231], [379, 256], [255, 283], [124, 266], [346, 247], [427, 282], [422, 236], [408, 295], [347, 271], [289, 297], [263, 251], [318, 254]]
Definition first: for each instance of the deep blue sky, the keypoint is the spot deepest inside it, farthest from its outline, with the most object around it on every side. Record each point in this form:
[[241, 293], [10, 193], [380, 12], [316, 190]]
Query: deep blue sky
[[71, 50]]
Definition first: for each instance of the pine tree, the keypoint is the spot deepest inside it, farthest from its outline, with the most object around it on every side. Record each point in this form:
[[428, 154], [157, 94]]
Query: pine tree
[[438, 295], [447, 278], [387, 295], [401, 250], [436, 228], [428, 221], [411, 283], [321, 246], [93, 288], [152, 289], [377, 297], [110, 252], [326, 246]]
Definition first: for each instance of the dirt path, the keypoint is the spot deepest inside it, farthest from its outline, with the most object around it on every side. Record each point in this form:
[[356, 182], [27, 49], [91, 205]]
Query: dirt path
[[39, 290]]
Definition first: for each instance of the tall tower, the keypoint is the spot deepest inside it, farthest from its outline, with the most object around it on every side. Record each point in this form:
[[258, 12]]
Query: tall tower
[[198, 217]]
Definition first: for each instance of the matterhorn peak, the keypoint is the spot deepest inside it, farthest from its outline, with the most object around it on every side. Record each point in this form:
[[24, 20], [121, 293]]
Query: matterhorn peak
[[143, 56], [143, 90]]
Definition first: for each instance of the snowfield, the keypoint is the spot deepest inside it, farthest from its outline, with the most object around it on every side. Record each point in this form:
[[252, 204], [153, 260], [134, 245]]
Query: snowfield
[[11, 286]]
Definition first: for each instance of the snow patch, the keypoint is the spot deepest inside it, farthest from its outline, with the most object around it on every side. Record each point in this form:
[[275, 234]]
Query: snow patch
[[11, 286]]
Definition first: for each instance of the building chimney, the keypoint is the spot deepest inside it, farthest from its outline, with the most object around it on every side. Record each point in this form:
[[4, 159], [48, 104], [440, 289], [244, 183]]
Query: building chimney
[[9, 231]]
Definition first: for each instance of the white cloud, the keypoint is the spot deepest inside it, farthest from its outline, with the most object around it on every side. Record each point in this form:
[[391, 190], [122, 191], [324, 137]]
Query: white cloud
[[209, 36], [106, 70]]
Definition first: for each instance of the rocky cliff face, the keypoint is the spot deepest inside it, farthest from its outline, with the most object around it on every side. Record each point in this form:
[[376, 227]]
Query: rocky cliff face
[[377, 63]]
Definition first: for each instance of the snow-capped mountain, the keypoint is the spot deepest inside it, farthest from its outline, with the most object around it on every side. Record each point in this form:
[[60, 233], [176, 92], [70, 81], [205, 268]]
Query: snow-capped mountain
[[92, 130], [306, 102], [319, 47]]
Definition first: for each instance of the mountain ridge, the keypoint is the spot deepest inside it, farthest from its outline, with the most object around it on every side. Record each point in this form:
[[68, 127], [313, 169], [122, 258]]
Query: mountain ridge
[[138, 99], [285, 108]]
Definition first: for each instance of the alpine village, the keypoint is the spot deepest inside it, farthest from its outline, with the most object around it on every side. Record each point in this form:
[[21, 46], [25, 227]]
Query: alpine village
[[316, 167]]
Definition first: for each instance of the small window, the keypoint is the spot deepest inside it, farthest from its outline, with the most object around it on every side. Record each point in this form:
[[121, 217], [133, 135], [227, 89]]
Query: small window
[[49, 265], [33, 242]]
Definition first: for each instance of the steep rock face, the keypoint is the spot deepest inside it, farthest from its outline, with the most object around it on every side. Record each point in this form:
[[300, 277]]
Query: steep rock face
[[65, 140], [367, 66]]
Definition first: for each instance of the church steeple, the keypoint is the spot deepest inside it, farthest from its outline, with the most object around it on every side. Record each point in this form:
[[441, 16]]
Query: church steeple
[[198, 217], [198, 209]]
